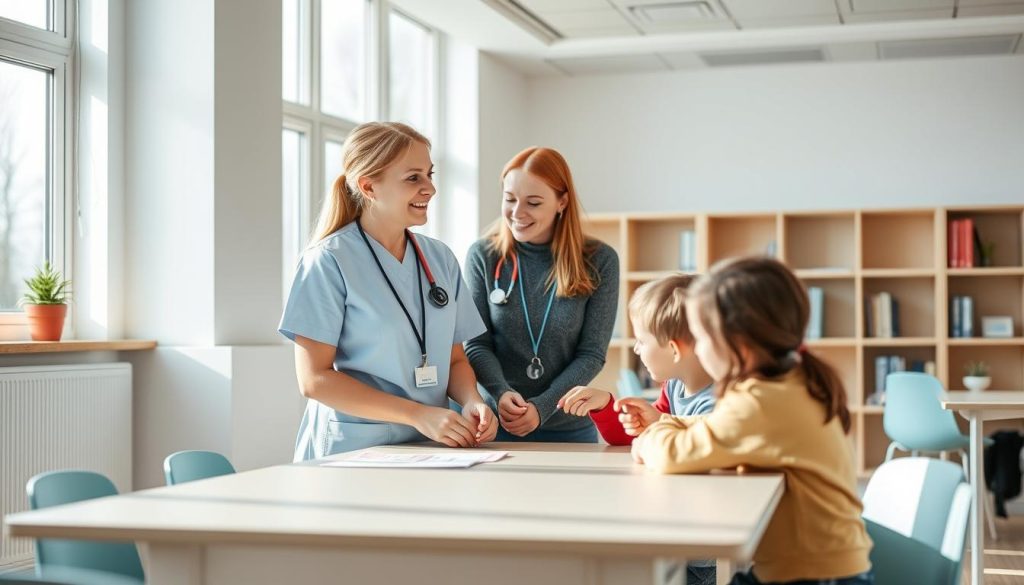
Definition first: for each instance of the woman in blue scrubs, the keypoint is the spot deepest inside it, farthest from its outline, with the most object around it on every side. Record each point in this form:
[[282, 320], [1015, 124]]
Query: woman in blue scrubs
[[378, 315]]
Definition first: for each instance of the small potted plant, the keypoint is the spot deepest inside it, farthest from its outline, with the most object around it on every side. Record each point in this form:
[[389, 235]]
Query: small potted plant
[[977, 378], [45, 303]]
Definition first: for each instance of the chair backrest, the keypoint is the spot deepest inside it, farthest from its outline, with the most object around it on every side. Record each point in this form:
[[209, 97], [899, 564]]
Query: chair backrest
[[916, 511], [913, 416], [64, 487], [185, 466], [629, 383]]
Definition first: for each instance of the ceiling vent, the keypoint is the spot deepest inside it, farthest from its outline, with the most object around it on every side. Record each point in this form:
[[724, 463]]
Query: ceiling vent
[[763, 57], [525, 19], [673, 12], [961, 47]]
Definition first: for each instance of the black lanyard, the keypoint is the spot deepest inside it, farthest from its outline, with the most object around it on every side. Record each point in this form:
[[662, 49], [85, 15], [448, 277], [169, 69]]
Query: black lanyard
[[422, 340]]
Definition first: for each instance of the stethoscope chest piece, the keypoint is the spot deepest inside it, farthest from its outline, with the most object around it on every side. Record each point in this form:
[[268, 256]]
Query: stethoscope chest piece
[[498, 297], [438, 296]]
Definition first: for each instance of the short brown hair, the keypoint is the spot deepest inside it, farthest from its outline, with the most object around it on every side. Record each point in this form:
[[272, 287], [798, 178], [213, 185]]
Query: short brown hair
[[661, 306]]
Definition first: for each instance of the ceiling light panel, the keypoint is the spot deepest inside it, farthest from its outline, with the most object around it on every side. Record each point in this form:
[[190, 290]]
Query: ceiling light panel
[[779, 9], [773, 57], [610, 64], [940, 48]]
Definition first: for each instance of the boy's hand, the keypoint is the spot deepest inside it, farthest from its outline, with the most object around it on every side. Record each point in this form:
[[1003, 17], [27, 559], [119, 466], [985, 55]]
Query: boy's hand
[[636, 414], [582, 400], [635, 452], [486, 423]]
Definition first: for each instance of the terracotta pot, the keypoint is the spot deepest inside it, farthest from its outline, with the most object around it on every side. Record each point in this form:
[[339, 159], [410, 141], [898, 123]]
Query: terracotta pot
[[46, 322]]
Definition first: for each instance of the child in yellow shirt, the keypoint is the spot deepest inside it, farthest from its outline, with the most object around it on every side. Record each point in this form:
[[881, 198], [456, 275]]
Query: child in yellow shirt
[[779, 408]]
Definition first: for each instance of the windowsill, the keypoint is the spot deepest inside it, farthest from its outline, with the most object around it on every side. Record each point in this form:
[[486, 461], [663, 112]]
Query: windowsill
[[25, 347]]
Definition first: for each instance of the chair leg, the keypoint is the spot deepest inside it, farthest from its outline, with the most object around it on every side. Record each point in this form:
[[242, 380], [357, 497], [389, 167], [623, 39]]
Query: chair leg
[[990, 515], [964, 464], [890, 451]]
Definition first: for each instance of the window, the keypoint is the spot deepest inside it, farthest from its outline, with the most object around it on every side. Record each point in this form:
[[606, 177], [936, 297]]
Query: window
[[35, 104], [344, 62]]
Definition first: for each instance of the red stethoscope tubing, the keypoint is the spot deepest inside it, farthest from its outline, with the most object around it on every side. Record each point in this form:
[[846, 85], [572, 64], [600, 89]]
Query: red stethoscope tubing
[[515, 268]]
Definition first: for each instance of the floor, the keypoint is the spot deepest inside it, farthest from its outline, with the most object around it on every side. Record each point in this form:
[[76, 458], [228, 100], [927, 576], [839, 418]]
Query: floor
[[1004, 557]]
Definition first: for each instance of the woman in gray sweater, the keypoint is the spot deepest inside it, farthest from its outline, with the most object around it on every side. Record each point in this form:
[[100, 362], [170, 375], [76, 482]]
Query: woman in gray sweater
[[548, 297]]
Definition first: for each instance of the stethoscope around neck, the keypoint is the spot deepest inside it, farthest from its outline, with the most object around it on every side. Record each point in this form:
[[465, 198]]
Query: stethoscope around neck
[[438, 296], [499, 296]]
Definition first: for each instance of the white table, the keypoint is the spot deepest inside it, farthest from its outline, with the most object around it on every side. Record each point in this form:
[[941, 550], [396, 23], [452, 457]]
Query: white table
[[978, 407], [549, 513]]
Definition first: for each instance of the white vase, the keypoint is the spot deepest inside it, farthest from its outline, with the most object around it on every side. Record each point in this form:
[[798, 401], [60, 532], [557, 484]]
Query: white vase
[[977, 383]]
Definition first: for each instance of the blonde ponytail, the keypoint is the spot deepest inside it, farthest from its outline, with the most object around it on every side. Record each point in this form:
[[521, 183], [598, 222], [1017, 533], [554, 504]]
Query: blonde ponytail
[[368, 151]]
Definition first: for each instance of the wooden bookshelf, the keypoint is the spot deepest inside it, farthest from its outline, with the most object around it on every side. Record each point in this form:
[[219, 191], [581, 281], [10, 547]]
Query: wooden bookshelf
[[850, 255]]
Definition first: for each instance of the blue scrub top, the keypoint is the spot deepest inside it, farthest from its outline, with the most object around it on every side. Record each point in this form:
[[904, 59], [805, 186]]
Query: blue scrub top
[[340, 298]]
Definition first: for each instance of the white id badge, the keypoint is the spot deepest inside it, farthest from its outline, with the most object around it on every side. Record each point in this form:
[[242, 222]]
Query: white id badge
[[426, 376]]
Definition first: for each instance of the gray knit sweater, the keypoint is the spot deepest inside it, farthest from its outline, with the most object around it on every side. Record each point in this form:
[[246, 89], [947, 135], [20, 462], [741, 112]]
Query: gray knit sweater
[[575, 342]]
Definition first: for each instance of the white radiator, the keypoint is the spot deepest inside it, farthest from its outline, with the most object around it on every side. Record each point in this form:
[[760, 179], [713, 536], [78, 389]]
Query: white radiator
[[61, 417]]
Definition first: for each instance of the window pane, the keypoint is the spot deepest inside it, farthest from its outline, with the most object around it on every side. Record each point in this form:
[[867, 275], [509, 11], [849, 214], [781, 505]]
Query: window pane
[[410, 73], [295, 51], [343, 58], [332, 164], [30, 12], [293, 173], [23, 172]]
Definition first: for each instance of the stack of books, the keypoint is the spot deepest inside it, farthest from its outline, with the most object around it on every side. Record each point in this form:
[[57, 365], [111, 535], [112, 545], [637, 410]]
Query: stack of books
[[688, 251], [963, 244], [816, 322], [887, 364], [881, 316], [961, 316]]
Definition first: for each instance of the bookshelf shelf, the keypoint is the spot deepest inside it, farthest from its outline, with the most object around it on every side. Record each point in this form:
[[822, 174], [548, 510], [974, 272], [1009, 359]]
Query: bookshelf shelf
[[985, 271], [986, 341], [824, 273], [642, 276], [851, 255], [898, 341], [832, 342]]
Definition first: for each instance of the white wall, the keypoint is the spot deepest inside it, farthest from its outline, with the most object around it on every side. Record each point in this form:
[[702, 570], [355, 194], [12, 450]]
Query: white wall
[[504, 117], [852, 135]]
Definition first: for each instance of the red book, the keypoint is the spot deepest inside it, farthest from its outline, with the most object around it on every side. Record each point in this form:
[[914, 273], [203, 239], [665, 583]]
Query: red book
[[967, 243], [953, 243]]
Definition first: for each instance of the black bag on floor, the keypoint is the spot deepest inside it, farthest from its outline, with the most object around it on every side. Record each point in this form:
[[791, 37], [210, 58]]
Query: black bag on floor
[[1002, 468]]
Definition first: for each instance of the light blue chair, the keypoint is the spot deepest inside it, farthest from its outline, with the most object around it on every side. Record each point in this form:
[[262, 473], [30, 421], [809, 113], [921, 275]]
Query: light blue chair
[[185, 466], [916, 422], [629, 383], [55, 488], [916, 511]]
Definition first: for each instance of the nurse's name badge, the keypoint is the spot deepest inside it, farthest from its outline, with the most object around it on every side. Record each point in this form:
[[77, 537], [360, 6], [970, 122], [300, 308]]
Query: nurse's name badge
[[426, 376]]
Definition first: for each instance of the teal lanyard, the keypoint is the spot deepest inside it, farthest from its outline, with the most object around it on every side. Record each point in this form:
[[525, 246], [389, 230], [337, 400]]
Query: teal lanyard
[[536, 369]]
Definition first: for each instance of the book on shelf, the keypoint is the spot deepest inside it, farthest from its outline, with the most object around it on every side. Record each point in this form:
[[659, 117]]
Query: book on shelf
[[816, 320], [688, 250], [963, 245], [881, 316], [889, 364], [961, 316]]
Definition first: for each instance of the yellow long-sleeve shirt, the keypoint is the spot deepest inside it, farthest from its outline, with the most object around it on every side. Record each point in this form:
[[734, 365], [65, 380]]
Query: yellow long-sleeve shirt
[[816, 532]]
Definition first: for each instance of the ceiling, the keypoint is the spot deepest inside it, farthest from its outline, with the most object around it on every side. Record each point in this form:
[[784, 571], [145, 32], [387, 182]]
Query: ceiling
[[585, 37]]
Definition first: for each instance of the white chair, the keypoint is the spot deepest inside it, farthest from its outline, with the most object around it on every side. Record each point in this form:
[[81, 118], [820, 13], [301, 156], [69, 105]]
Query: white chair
[[916, 511]]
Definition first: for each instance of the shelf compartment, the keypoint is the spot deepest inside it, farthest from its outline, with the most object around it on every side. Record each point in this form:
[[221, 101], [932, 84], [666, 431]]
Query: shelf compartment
[[649, 275], [1000, 226], [1006, 366], [840, 307], [900, 239], [821, 242], [844, 360], [916, 297], [732, 236], [923, 353], [655, 243], [876, 442], [993, 296], [608, 230]]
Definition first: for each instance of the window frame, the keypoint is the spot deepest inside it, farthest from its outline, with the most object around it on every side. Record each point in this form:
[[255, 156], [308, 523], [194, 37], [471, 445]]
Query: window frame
[[53, 51], [322, 127]]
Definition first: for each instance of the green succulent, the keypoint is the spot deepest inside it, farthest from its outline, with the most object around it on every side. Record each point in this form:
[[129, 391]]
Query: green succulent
[[979, 369], [46, 287]]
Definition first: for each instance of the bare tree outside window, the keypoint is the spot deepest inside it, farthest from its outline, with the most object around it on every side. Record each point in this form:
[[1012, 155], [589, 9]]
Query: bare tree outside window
[[24, 135]]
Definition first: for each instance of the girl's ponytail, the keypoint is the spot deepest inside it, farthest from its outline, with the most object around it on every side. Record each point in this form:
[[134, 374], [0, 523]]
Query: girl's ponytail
[[824, 385]]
